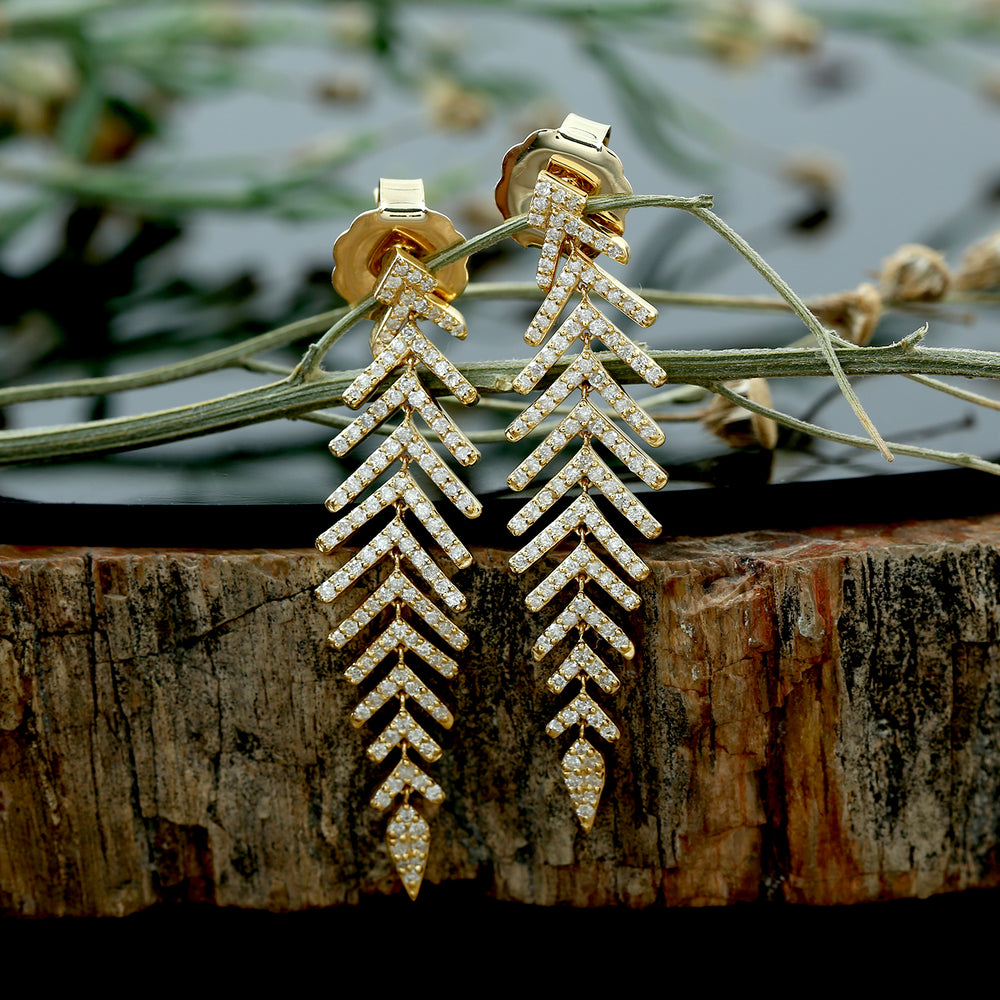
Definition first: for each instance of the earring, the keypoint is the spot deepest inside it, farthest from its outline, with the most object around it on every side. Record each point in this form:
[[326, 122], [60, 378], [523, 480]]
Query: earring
[[381, 253], [550, 176]]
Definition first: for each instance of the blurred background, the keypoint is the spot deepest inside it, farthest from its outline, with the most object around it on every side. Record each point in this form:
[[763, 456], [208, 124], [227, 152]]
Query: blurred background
[[173, 174]]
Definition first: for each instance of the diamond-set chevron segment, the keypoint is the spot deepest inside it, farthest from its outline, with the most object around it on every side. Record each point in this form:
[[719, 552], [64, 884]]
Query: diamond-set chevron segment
[[582, 563], [586, 370], [585, 659], [408, 293], [566, 269], [586, 468], [580, 274], [587, 322], [557, 208], [586, 422]]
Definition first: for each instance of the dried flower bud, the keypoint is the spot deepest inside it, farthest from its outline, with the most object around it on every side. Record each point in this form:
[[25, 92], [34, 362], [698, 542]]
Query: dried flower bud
[[980, 266], [342, 89], [47, 74], [914, 273], [738, 32], [455, 107], [817, 170], [224, 22], [115, 137], [725, 33], [737, 426], [321, 149], [481, 213], [785, 27], [854, 314], [23, 112], [989, 87], [37, 85], [543, 111]]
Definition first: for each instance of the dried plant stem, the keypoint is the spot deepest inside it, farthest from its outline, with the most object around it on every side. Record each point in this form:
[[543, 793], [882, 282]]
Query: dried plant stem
[[815, 430], [678, 394], [971, 397], [801, 310], [212, 361], [242, 353], [307, 387], [698, 206], [289, 398], [708, 300], [953, 390], [685, 394], [720, 300]]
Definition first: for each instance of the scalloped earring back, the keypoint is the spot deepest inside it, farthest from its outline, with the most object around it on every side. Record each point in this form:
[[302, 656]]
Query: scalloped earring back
[[381, 254]]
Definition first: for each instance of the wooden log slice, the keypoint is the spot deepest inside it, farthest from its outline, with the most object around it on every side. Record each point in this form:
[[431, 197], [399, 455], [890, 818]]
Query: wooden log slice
[[811, 716]]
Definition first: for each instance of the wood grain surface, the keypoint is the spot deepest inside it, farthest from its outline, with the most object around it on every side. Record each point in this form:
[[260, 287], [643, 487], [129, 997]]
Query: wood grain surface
[[812, 716]]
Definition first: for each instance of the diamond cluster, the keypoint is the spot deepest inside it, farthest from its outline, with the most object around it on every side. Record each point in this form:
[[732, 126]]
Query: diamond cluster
[[408, 293], [566, 268], [583, 775], [408, 837]]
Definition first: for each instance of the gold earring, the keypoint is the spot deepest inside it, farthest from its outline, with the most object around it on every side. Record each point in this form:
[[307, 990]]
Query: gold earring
[[550, 176], [381, 253]]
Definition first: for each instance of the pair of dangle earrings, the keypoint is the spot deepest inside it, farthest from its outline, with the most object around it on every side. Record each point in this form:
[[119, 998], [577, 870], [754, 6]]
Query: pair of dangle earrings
[[549, 177]]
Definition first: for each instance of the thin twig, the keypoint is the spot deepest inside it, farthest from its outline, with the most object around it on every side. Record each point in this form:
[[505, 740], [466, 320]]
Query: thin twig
[[952, 390], [678, 394], [801, 310], [308, 387], [815, 430], [289, 398], [309, 366], [212, 361], [720, 300]]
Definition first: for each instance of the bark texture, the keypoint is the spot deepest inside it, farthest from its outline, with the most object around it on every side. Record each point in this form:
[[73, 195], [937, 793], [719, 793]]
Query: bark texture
[[811, 716]]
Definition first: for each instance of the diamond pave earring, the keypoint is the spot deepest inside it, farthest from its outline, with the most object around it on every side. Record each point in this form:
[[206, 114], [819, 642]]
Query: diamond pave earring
[[381, 253], [550, 176]]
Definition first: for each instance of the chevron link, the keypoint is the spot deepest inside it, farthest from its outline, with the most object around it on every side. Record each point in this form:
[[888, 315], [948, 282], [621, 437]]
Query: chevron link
[[407, 289], [408, 292], [565, 269], [584, 421], [582, 512], [582, 563], [407, 389], [584, 659], [586, 322], [586, 468]]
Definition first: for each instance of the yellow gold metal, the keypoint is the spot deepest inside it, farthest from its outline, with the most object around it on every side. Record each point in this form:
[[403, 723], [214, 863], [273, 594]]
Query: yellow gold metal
[[573, 172], [579, 152], [380, 254], [550, 176], [400, 220]]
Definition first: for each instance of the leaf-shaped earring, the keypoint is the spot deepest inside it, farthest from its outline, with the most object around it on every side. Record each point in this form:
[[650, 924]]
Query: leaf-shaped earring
[[382, 252], [550, 176]]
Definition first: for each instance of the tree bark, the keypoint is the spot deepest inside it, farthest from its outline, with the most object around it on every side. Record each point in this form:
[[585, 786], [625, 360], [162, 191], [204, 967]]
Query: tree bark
[[811, 716]]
